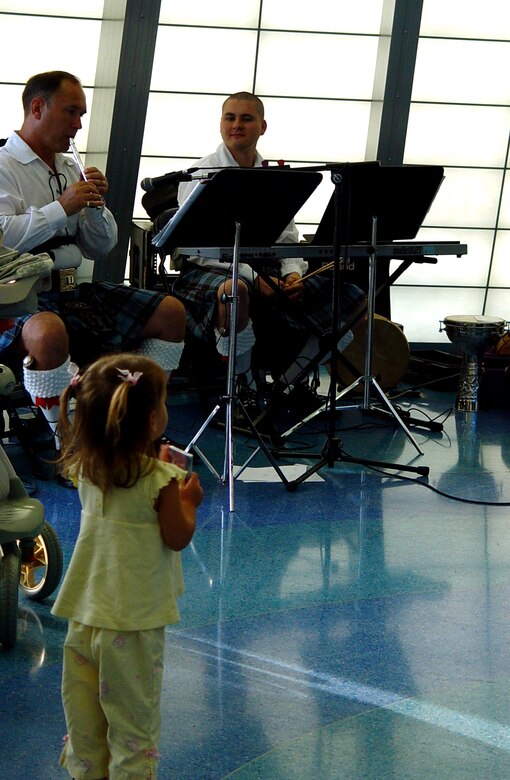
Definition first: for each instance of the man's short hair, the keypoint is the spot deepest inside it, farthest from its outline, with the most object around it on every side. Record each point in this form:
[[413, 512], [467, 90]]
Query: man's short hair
[[257, 102], [44, 85]]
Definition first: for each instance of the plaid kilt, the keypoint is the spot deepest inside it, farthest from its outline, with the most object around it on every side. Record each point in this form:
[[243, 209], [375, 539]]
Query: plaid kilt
[[100, 317], [197, 288]]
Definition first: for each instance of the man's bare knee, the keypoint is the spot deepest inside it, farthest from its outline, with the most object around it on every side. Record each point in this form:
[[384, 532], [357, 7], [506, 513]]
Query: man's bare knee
[[44, 337], [168, 321], [223, 310]]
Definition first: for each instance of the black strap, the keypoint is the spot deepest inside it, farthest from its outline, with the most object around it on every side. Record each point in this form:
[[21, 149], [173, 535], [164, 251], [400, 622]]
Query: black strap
[[53, 243]]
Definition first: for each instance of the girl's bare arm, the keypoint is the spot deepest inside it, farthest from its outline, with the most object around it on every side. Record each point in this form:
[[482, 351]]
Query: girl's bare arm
[[176, 507]]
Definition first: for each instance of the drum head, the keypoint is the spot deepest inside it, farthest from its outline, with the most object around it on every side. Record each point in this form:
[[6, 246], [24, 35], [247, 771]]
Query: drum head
[[390, 353], [473, 320], [473, 333]]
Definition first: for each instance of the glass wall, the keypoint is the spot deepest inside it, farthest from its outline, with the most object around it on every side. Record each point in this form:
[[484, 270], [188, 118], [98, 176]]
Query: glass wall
[[43, 36], [319, 68], [314, 66], [460, 118], [49, 33]]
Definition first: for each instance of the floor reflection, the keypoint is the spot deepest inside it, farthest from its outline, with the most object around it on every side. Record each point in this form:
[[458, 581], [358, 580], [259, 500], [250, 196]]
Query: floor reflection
[[353, 628]]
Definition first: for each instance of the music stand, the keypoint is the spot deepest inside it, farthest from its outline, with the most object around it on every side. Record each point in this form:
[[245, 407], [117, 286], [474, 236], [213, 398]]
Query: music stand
[[370, 204], [252, 206]]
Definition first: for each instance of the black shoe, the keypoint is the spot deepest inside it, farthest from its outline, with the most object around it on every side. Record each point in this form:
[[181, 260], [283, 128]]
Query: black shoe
[[248, 396], [302, 400], [254, 402], [288, 407], [239, 420]]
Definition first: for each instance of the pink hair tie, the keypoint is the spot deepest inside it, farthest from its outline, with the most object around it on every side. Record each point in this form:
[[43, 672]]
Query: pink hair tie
[[127, 376], [74, 370]]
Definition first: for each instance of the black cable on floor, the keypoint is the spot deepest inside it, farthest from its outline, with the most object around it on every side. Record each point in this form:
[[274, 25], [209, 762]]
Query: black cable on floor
[[437, 490]]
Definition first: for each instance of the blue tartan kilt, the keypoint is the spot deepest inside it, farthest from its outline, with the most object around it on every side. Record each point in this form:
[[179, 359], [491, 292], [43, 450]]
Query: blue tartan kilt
[[197, 288], [108, 316]]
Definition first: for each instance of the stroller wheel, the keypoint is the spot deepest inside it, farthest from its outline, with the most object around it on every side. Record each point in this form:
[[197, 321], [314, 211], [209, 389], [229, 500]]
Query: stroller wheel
[[41, 574], [9, 582]]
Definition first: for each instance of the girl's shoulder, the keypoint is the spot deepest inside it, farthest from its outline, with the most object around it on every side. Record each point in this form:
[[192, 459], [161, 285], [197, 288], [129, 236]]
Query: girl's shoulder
[[161, 473]]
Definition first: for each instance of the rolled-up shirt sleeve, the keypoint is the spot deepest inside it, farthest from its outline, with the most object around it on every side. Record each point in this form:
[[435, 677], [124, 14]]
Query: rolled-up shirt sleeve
[[26, 226], [30, 213], [97, 233]]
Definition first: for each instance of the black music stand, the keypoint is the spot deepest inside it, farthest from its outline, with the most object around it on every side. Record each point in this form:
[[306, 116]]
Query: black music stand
[[370, 204], [252, 206]]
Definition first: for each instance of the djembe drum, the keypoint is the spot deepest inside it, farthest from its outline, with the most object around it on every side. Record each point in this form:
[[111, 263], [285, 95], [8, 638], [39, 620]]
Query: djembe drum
[[390, 354], [472, 334]]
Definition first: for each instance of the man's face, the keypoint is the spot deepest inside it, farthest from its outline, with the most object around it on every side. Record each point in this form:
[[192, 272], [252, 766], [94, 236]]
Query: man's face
[[60, 117], [241, 126]]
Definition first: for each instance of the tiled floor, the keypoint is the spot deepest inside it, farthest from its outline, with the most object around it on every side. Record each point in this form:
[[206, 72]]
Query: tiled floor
[[355, 627]]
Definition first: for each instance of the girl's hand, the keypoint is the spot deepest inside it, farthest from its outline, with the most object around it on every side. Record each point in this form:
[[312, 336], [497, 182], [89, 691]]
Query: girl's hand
[[164, 453], [176, 507], [191, 491]]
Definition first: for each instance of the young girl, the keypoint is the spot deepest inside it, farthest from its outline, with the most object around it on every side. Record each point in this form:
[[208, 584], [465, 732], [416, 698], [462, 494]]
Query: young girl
[[125, 574]]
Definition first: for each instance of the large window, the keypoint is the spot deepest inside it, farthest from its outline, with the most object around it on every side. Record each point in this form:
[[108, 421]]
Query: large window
[[314, 66], [460, 118], [43, 36], [319, 68]]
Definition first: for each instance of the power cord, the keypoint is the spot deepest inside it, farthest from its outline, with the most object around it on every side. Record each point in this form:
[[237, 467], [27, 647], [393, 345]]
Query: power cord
[[437, 490]]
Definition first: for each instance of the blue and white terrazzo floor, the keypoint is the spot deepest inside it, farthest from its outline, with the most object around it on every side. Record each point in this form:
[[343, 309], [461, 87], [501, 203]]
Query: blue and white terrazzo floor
[[354, 628]]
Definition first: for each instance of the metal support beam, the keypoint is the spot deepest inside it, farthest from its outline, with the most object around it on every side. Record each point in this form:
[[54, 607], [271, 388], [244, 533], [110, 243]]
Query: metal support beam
[[105, 83], [399, 81], [380, 79], [391, 100], [127, 125]]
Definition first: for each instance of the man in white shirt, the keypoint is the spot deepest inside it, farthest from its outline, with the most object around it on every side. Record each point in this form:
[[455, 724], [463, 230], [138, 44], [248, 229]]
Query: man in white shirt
[[48, 205], [204, 284]]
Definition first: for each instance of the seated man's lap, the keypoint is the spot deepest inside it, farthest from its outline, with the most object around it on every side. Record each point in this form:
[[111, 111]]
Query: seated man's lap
[[100, 317], [197, 289]]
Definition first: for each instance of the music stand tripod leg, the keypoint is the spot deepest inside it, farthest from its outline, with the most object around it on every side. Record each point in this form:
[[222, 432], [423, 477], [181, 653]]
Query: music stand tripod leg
[[192, 445], [230, 399], [332, 449], [368, 379], [228, 466]]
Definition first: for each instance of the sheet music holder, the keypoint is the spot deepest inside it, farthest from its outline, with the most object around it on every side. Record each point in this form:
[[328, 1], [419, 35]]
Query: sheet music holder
[[400, 197], [262, 200], [250, 206]]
